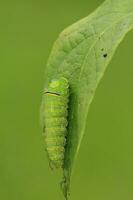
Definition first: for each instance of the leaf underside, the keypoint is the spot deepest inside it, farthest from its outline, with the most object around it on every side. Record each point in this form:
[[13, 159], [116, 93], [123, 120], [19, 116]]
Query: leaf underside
[[81, 54]]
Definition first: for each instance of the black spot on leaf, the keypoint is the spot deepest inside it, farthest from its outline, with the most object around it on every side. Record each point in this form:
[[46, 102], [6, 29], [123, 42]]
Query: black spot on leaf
[[105, 55]]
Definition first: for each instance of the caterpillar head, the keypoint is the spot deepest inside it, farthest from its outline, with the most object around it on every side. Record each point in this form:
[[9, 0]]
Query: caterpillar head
[[59, 86]]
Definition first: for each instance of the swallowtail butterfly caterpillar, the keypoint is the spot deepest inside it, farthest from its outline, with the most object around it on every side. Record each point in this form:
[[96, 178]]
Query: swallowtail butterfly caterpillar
[[55, 111]]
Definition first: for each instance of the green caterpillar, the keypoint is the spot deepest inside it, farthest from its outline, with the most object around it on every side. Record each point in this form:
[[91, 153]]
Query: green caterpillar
[[55, 112]]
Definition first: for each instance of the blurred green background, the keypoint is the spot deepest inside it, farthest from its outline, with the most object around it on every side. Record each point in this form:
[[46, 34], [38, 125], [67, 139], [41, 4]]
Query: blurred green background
[[104, 168]]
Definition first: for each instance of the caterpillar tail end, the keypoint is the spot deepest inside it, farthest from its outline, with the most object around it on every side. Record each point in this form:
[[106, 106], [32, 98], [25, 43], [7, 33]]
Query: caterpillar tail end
[[55, 164]]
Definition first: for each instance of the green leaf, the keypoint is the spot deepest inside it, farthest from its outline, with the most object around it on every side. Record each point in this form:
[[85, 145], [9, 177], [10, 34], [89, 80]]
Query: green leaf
[[81, 54]]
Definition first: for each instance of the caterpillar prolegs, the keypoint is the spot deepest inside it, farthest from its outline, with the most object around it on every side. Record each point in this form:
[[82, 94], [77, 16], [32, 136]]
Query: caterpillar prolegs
[[55, 112]]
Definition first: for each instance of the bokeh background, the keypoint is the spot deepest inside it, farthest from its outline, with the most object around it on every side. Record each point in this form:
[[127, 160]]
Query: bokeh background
[[104, 168]]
